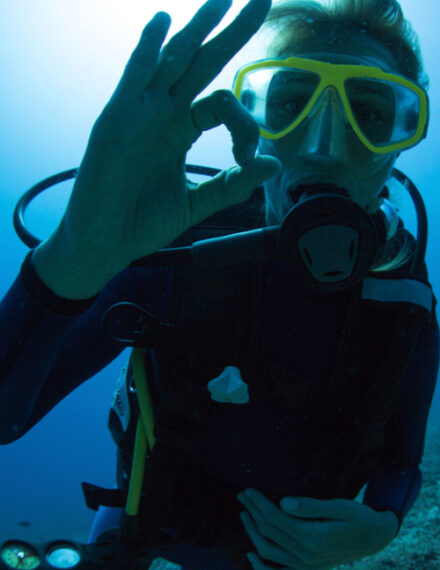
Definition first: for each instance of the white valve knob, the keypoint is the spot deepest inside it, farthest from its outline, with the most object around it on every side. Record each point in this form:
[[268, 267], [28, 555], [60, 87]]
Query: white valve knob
[[229, 387]]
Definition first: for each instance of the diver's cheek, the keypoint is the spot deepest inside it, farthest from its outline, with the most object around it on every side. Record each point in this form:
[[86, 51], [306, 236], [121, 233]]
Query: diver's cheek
[[383, 161], [380, 168]]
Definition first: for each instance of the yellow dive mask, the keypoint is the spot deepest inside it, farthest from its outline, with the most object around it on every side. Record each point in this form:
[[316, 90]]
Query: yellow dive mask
[[387, 111]]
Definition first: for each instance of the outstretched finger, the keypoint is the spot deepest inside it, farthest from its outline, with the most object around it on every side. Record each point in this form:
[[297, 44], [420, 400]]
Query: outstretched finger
[[215, 54], [143, 60], [179, 52]]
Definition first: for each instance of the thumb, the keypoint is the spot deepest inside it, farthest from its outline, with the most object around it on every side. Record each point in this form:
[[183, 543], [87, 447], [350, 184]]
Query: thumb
[[241, 181], [307, 507], [230, 187]]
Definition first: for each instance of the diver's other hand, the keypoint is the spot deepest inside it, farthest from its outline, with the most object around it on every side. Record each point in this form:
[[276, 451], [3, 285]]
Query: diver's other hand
[[131, 196], [315, 534]]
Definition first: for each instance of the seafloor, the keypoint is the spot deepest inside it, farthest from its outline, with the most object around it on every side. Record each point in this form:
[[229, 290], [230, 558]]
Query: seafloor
[[417, 547]]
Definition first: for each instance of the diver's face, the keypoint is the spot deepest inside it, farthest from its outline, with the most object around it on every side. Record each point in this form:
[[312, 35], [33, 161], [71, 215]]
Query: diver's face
[[324, 148]]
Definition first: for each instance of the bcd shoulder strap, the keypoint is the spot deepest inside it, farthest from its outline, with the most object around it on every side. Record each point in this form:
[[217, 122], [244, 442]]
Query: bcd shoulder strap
[[367, 375]]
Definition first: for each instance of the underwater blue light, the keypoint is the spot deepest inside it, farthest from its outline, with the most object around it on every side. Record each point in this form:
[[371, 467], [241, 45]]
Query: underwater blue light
[[64, 556], [162, 564]]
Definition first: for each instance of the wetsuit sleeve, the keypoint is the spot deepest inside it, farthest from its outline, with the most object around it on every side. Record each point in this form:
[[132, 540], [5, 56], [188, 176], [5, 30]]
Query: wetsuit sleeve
[[51, 345], [397, 484]]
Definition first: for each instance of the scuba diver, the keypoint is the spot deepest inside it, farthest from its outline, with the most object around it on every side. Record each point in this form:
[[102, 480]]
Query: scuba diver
[[291, 358]]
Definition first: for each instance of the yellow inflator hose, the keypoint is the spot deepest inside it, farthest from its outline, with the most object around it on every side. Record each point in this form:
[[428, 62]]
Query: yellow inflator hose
[[144, 432]]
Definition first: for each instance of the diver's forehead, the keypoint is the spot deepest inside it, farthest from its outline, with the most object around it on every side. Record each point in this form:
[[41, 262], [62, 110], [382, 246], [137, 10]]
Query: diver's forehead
[[346, 59], [351, 49]]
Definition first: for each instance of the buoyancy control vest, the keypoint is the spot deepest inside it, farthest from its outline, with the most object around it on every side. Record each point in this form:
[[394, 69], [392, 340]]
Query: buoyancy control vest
[[217, 314]]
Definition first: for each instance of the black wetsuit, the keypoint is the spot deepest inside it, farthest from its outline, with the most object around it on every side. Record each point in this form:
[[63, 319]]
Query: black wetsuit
[[52, 345]]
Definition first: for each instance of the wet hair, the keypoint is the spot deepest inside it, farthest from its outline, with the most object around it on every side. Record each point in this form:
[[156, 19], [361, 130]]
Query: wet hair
[[297, 24]]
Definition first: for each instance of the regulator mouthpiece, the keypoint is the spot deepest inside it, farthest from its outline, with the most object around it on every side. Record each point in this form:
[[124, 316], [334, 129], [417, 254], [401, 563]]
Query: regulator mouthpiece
[[328, 241]]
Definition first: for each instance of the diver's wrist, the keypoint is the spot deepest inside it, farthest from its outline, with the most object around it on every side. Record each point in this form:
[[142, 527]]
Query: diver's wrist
[[65, 275]]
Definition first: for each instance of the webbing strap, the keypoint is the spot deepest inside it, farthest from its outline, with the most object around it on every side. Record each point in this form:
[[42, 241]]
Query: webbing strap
[[398, 291]]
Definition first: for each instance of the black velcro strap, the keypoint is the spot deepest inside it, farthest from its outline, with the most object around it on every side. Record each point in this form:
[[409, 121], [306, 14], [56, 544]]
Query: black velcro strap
[[182, 414], [96, 496]]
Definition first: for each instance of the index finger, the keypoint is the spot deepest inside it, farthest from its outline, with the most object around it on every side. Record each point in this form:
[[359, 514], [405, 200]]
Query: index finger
[[215, 54]]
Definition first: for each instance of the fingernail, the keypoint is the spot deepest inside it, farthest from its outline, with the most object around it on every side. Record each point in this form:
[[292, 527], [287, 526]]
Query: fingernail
[[290, 504]]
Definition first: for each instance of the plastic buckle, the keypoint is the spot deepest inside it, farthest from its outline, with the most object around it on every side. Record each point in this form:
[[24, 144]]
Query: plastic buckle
[[132, 325]]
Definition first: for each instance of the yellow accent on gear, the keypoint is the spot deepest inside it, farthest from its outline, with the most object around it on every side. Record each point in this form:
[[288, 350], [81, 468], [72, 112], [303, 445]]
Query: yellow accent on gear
[[145, 439]]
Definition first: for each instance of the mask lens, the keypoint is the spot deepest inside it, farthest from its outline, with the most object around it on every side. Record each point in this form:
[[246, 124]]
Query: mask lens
[[277, 98], [385, 112]]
